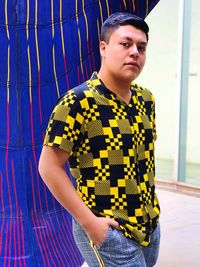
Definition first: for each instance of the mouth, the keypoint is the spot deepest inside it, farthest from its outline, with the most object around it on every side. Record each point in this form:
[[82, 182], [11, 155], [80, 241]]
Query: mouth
[[132, 64]]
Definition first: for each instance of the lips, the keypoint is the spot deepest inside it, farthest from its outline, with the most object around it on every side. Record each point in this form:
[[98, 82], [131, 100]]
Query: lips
[[134, 64]]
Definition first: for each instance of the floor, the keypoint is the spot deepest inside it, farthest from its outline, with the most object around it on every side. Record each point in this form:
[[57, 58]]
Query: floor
[[180, 230], [180, 222]]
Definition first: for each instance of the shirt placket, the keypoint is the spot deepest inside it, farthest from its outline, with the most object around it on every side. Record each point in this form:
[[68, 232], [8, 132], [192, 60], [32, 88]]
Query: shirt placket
[[132, 112]]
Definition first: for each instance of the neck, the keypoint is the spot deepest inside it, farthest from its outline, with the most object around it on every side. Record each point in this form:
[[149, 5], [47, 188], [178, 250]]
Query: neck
[[117, 86]]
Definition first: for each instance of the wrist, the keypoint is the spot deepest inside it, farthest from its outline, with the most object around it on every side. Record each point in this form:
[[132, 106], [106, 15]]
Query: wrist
[[88, 222]]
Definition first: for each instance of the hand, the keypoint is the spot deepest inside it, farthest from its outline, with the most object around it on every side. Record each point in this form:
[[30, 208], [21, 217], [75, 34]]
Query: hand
[[98, 228]]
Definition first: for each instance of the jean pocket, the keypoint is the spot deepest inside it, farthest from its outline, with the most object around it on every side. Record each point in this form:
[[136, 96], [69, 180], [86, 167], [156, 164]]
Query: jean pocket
[[106, 239]]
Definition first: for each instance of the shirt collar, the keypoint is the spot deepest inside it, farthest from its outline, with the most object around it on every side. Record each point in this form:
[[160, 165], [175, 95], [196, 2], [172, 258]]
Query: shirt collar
[[99, 85], [102, 89]]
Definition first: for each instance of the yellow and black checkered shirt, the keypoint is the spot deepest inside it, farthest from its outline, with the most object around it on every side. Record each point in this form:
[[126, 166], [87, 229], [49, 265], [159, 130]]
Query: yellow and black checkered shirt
[[111, 146]]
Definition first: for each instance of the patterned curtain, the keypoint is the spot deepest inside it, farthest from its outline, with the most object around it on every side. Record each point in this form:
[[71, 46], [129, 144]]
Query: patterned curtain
[[46, 47]]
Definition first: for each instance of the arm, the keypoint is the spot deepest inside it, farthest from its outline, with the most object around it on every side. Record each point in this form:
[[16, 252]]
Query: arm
[[52, 170]]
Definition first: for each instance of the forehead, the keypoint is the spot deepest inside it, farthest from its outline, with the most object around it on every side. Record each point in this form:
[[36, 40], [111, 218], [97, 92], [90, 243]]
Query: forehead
[[129, 32]]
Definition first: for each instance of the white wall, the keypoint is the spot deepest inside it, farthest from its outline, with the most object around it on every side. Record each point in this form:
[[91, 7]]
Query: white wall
[[193, 140], [160, 76]]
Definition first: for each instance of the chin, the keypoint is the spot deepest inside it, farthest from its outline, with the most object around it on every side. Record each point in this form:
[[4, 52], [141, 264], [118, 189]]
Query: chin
[[131, 78], [128, 77]]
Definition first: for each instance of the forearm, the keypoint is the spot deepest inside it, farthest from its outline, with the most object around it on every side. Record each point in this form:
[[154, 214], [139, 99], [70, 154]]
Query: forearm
[[51, 168], [59, 184]]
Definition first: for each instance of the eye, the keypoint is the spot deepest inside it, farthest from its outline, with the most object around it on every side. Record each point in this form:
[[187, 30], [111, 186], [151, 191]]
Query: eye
[[141, 49], [125, 44]]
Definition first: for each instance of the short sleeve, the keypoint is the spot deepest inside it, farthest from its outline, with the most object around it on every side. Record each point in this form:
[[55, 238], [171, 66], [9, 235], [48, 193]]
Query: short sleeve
[[64, 127]]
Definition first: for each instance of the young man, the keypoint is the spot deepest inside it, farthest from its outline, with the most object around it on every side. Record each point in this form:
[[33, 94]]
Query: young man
[[105, 128]]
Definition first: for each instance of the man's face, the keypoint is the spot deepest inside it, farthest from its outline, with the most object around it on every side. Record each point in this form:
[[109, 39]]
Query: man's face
[[123, 57]]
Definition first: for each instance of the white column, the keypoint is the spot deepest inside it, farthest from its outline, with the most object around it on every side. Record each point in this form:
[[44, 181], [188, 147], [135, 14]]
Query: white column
[[182, 88]]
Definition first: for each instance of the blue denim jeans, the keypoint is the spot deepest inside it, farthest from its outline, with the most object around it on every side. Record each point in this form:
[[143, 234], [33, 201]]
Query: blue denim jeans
[[117, 250]]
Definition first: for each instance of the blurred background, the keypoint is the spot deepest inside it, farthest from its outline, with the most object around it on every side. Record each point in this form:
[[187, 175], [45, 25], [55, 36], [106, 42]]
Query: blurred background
[[172, 73], [174, 35]]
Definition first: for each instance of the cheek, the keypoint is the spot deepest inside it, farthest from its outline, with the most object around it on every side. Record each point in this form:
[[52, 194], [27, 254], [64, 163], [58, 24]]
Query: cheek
[[114, 57], [142, 61]]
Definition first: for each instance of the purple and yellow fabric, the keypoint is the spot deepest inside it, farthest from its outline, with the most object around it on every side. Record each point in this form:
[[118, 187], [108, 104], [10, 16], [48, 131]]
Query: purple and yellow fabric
[[46, 47]]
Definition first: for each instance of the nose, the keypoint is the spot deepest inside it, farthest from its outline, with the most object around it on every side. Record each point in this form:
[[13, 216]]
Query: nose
[[134, 51]]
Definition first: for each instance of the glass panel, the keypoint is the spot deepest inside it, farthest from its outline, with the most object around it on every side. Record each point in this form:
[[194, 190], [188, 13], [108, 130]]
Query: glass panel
[[193, 130], [159, 75]]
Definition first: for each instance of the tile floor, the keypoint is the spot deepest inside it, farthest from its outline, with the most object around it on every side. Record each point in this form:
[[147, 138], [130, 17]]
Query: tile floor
[[180, 222]]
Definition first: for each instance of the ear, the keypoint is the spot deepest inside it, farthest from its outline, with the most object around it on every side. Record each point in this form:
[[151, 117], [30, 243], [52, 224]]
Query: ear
[[102, 48]]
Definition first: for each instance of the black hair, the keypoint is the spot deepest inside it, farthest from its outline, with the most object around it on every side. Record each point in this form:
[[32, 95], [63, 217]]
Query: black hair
[[118, 19]]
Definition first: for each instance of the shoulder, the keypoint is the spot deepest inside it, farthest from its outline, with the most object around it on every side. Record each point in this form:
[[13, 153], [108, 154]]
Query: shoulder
[[78, 93], [80, 90], [143, 91], [73, 96]]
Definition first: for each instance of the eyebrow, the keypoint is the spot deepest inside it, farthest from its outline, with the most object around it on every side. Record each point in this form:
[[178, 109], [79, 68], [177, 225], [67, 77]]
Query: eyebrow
[[130, 39]]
